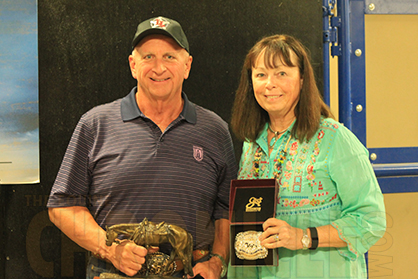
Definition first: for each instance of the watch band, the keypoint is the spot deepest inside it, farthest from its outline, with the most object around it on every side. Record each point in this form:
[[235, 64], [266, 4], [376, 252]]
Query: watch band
[[224, 266], [314, 237]]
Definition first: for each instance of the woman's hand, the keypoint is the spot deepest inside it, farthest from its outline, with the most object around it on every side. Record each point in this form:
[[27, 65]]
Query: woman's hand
[[278, 233]]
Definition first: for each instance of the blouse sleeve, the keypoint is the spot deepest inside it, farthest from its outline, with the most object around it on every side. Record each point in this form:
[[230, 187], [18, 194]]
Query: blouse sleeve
[[363, 220]]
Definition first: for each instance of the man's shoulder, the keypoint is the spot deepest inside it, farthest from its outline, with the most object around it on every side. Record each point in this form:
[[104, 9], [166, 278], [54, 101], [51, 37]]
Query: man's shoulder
[[104, 110], [211, 121], [208, 115]]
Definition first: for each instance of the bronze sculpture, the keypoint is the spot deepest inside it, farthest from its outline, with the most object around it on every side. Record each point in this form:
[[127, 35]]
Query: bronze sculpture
[[148, 234]]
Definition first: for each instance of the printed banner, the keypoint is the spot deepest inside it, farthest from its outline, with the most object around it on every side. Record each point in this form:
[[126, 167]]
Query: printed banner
[[19, 120]]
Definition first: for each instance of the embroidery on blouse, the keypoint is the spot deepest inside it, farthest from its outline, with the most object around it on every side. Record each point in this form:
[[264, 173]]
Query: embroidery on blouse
[[277, 166], [349, 244], [291, 168], [295, 166], [310, 168], [256, 163]]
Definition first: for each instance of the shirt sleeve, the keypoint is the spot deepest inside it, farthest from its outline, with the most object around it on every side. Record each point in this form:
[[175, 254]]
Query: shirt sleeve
[[362, 221], [71, 186], [227, 173]]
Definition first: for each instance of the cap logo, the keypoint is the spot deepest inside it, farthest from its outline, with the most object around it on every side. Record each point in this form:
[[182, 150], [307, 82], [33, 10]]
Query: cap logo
[[159, 22]]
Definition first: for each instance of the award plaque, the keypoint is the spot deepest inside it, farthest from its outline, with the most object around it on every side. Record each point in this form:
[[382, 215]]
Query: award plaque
[[147, 234], [252, 202]]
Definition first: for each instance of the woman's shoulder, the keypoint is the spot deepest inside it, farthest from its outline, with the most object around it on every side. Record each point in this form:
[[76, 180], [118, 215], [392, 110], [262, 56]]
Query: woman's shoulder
[[340, 133], [330, 123], [337, 127], [332, 126]]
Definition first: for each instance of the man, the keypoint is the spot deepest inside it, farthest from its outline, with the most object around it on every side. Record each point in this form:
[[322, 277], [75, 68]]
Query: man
[[151, 154]]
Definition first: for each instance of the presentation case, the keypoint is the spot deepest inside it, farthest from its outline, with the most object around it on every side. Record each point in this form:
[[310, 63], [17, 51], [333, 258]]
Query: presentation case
[[251, 203]]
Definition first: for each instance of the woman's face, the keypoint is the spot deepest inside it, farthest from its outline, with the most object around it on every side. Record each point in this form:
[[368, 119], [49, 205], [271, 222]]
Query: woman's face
[[277, 89]]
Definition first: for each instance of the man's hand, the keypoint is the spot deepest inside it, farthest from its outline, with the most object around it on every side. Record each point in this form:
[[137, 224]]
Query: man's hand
[[210, 269], [127, 257]]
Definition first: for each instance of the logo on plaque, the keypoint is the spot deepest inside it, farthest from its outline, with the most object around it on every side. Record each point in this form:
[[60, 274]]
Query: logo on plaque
[[254, 205]]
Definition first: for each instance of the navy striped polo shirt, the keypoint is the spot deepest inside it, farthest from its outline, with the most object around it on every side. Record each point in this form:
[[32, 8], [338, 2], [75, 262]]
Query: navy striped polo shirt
[[123, 168]]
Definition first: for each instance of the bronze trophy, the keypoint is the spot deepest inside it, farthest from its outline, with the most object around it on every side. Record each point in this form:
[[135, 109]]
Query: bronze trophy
[[146, 234]]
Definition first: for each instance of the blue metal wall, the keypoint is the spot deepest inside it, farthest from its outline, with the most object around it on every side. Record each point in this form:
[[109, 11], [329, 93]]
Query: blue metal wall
[[396, 168]]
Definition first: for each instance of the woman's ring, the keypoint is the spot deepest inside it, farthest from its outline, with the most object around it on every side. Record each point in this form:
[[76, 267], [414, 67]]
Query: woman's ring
[[276, 237]]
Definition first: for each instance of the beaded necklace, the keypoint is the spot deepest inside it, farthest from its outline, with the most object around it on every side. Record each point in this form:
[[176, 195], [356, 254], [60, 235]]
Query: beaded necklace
[[278, 165]]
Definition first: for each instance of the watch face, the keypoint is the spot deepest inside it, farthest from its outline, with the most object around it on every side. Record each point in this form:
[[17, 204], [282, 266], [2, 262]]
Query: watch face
[[305, 240]]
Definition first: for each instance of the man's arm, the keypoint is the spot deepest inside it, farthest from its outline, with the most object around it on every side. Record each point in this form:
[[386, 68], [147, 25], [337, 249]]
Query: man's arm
[[79, 225], [212, 268], [221, 242]]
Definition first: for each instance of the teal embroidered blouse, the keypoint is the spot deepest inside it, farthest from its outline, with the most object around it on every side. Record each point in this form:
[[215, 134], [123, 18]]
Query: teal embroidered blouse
[[328, 180]]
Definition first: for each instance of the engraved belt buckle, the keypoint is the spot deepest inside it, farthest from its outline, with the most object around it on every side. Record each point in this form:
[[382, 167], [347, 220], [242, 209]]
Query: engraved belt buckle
[[248, 247]]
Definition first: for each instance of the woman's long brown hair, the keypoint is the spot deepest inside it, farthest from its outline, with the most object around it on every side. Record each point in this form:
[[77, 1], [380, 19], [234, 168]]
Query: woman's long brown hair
[[249, 118]]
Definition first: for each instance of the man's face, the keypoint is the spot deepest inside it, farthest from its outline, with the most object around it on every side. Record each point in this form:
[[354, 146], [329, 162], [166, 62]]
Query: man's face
[[160, 66]]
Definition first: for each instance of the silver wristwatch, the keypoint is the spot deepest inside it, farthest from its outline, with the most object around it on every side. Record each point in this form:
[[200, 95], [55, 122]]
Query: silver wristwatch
[[306, 240], [224, 266]]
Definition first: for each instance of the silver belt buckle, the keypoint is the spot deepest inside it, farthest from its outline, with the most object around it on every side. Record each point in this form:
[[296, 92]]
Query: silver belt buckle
[[248, 246]]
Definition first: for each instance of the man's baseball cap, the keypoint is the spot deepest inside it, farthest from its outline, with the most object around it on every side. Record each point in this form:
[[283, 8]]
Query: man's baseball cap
[[161, 25]]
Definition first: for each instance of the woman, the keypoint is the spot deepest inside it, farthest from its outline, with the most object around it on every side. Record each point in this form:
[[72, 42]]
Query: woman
[[330, 208]]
